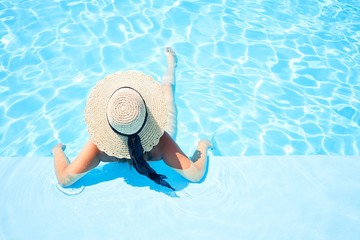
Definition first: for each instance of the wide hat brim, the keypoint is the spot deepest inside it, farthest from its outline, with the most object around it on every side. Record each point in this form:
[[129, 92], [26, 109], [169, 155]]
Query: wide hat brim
[[101, 133]]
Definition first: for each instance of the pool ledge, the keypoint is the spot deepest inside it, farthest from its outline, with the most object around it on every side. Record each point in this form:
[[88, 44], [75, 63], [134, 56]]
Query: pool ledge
[[257, 197]]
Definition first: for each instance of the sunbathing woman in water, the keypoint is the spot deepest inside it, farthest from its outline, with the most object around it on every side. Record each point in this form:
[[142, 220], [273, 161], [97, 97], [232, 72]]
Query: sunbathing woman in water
[[131, 117]]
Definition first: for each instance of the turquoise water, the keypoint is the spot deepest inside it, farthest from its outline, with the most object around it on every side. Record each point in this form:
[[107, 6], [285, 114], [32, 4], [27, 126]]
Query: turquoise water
[[259, 77], [247, 197]]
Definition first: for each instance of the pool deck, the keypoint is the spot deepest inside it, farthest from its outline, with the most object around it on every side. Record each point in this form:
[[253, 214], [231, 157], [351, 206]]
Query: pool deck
[[259, 197]]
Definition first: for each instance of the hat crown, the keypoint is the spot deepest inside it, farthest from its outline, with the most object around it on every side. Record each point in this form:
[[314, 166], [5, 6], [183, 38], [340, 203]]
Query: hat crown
[[99, 112], [126, 111]]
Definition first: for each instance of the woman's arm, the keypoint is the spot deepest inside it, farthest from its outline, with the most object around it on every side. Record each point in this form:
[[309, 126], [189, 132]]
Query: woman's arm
[[174, 157], [68, 173]]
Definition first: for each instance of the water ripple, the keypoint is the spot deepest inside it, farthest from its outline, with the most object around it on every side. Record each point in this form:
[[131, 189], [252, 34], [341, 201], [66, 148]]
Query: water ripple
[[208, 198], [268, 79]]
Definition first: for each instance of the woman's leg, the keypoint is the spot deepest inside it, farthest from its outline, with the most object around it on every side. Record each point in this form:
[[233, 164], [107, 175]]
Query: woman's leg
[[169, 88]]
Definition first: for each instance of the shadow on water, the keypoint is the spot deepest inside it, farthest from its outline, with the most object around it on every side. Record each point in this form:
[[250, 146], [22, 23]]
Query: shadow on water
[[112, 171]]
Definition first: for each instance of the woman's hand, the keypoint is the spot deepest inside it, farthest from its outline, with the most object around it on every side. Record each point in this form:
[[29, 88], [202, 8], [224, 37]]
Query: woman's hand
[[58, 147], [205, 143]]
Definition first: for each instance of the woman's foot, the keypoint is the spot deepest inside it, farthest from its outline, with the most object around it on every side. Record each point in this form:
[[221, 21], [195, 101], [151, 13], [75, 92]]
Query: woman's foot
[[171, 58], [169, 75]]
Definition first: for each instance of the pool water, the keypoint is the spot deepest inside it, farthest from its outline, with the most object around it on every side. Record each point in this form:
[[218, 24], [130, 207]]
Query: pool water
[[257, 77], [264, 80], [252, 197]]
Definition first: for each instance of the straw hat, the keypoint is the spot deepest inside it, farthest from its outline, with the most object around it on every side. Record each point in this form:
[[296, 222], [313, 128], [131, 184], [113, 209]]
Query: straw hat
[[122, 104]]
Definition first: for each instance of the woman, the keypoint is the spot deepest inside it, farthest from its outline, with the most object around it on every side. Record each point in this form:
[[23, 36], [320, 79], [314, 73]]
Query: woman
[[131, 117]]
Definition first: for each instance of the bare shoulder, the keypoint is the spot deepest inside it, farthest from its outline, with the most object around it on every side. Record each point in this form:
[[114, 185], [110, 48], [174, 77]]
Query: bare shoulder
[[172, 154], [167, 143], [157, 151]]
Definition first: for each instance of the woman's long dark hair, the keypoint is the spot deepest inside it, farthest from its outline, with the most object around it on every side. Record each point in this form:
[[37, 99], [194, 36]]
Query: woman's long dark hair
[[136, 152], [137, 158]]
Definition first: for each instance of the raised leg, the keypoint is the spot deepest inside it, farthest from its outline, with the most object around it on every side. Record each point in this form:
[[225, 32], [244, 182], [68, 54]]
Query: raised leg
[[169, 88]]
